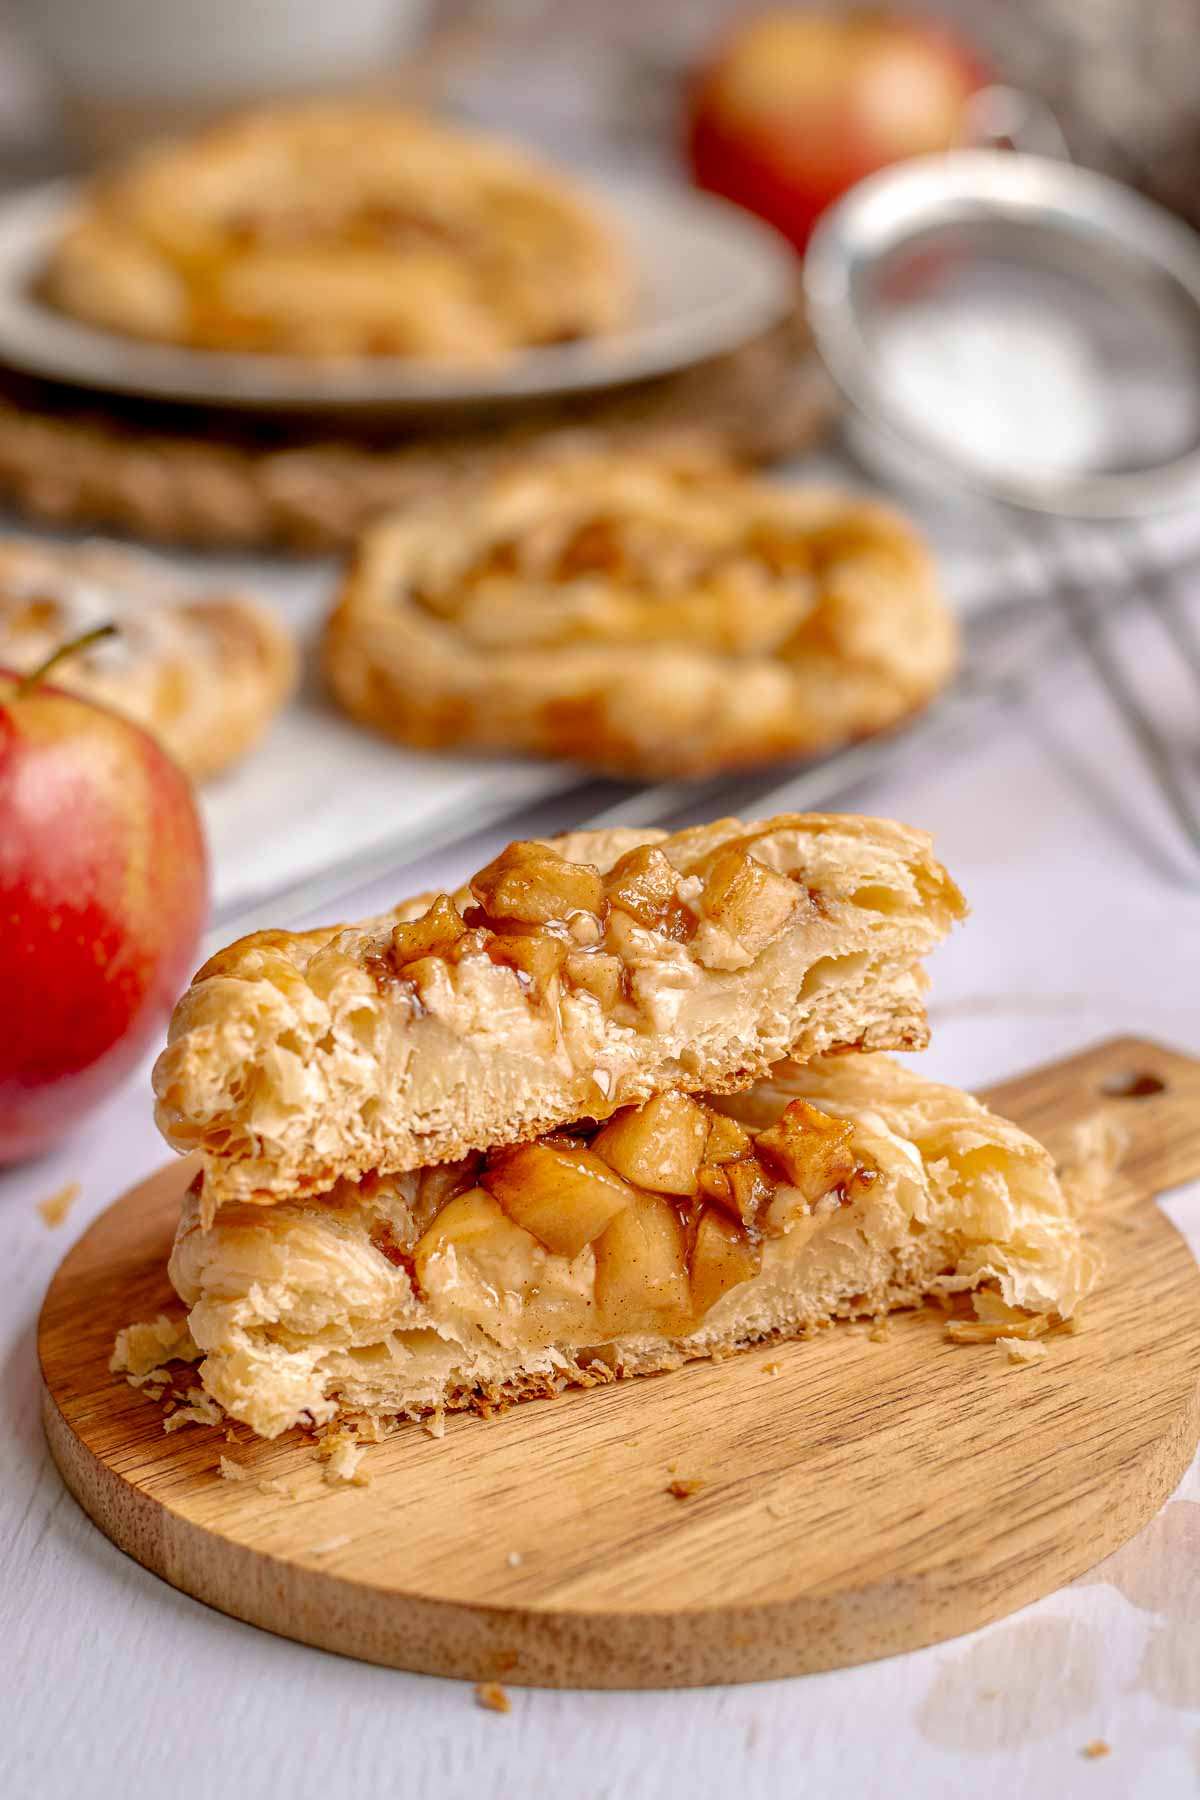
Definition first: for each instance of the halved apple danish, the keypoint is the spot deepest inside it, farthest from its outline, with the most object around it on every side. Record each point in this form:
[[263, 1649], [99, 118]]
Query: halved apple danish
[[204, 673], [566, 981], [676, 1229], [641, 617]]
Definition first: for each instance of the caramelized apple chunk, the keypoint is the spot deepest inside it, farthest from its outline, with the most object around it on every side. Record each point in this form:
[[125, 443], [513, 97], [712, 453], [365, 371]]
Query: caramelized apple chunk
[[534, 884], [723, 1256], [643, 883], [657, 1146], [742, 1187], [641, 1270], [726, 1139], [539, 956], [473, 1226], [433, 934], [561, 1192], [810, 1150], [595, 972], [746, 899], [443, 1183]]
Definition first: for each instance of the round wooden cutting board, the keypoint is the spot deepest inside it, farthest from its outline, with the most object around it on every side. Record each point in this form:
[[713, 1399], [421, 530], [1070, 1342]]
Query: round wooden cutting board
[[856, 1497]]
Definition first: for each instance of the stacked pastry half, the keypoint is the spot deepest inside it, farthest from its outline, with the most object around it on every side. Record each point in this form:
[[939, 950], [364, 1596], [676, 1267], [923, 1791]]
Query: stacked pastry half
[[618, 1103]]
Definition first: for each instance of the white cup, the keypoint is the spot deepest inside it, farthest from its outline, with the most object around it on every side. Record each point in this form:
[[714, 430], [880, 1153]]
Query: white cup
[[129, 69]]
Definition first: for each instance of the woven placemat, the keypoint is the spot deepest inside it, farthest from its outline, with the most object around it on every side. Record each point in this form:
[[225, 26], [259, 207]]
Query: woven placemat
[[189, 475]]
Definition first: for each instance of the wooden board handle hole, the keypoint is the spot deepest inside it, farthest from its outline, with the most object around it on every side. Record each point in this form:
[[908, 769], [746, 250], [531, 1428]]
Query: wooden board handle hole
[[1132, 1084]]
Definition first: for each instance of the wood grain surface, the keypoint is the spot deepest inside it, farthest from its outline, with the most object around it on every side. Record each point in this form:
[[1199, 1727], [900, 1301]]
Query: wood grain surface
[[856, 1497]]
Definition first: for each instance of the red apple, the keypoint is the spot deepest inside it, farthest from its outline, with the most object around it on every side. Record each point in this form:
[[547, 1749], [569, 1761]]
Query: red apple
[[103, 894], [797, 106]]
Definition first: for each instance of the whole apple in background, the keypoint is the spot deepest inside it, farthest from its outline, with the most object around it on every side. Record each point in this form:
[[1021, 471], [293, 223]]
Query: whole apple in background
[[103, 896], [797, 106]]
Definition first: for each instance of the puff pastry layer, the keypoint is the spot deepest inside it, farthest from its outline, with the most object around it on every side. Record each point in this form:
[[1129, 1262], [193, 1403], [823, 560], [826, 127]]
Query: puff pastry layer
[[420, 1291], [205, 674], [642, 617], [320, 228], [565, 981]]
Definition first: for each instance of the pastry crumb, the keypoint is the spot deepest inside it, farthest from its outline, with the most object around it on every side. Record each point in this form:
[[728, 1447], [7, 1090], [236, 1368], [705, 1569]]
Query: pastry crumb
[[266, 1484], [275, 1484], [1096, 1748], [198, 1408], [1022, 1351], [514, 1559], [491, 1695], [989, 1331], [55, 1207], [880, 1332], [995, 1321], [684, 1489], [1090, 1167], [435, 1425], [142, 1350], [772, 1368], [343, 1466], [341, 1452]]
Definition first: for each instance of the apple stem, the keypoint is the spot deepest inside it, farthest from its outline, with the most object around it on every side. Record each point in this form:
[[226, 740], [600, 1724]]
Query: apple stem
[[73, 647]]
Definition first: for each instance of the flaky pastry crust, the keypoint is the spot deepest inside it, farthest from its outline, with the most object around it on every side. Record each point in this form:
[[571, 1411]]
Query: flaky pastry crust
[[644, 618], [564, 981], [203, 673], [351, 1301], [339, 227]]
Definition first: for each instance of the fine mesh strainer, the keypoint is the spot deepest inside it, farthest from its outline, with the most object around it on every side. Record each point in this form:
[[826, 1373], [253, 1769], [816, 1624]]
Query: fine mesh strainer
[[1017, 330]]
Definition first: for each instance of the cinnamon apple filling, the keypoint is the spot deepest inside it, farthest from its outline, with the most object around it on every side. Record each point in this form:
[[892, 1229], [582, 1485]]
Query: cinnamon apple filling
[[554, 921], [665, 565], [653, 1216]]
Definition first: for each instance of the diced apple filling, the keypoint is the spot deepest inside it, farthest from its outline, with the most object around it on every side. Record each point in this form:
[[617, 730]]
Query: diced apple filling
[[671, 1201], [723, 1256], [561, 1192], [642, 1270], [539, 957], [646, 886], [659, 1145], [602, 976], [473, 1226], [533, 883], [810, 1150], [746, 899], [433, 934], [563, 924]]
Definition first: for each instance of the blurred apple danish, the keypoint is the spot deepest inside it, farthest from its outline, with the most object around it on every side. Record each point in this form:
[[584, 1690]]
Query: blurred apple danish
[[321, 228], [641, 617], [203, 672]]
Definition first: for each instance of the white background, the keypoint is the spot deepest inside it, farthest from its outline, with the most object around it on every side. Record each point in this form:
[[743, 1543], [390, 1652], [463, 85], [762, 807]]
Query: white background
[[1086, 923], [1083, 926]]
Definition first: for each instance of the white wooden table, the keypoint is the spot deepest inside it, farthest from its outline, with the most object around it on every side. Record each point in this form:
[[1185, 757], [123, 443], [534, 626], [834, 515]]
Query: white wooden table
[[115, 1684]]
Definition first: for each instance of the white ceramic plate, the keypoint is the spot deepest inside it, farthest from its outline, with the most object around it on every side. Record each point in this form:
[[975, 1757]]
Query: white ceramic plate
[[708, 278]]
